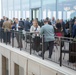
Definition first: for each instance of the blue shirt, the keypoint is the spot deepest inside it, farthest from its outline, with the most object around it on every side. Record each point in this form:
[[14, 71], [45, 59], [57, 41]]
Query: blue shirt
[[17, 26], [48, 32]]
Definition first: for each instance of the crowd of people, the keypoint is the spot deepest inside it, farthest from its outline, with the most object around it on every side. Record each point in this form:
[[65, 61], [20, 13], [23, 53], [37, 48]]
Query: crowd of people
[[48, 28]]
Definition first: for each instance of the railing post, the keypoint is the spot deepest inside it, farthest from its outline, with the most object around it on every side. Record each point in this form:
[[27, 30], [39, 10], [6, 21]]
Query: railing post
[[43, 47], [6, 36], [12, 38], [26, 39], [30, 44], [60, 51], [1, 35], [20, 40]]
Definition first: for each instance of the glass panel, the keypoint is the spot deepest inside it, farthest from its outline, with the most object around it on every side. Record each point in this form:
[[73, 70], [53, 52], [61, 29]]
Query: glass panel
[[54, 14], [68, 15], [9, 14], [37, 13], [59, 15], [16, 14], [44, 14], [19, 14], [12, 14], [64, 15], [4, 13], [23, 14], [27, 14], [33, 14], [49, 14], [73, 13]]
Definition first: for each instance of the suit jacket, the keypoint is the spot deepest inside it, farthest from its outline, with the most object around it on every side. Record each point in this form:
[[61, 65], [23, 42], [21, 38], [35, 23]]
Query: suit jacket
[[27, 25], [21, 26], [7, 26], [1, 23]]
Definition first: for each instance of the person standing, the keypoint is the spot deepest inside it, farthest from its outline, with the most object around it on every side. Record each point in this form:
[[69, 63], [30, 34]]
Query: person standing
[[19, 27], [48, 32], [35, 29], [53, 21], [74, 30], [27, 25], [58, 29], [7, 28]]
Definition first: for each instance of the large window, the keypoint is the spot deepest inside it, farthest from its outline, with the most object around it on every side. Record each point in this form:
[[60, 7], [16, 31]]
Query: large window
[[64, 15], [4, 13], [27, 14], [24, 16], [54, 14], [51, 7], [44, 14], [49, 14], [16, 14], [59, 15], [19, 14], [10, 15]]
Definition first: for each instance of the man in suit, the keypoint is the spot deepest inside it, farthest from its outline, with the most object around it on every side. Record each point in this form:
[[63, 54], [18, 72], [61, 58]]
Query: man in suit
[[27, 25], [21, 21], [19, 27], [14, 21], [1, 29]]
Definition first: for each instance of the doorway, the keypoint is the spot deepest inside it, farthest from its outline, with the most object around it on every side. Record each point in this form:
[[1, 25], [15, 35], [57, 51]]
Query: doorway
[[35, 13]]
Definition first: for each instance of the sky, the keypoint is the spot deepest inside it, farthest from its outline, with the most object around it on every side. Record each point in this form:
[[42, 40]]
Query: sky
[[0, 9]]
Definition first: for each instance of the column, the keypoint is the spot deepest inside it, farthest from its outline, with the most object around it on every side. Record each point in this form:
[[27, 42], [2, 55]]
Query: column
[[52, 14], [7, 9], [21, 9], [41, 9], [13, 9], [46, 12], [62, 14], [2, 8], [29, 10], [56, 9]]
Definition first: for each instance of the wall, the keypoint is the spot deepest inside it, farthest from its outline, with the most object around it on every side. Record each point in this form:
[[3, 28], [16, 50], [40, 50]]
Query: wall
[[22, 63]]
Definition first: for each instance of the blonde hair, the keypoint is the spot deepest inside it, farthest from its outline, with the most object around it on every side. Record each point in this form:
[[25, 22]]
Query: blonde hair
[[35, 22], [57, 21]]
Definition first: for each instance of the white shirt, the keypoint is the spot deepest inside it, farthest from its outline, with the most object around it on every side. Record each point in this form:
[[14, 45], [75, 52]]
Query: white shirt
[[17, 27], [33, 29]]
